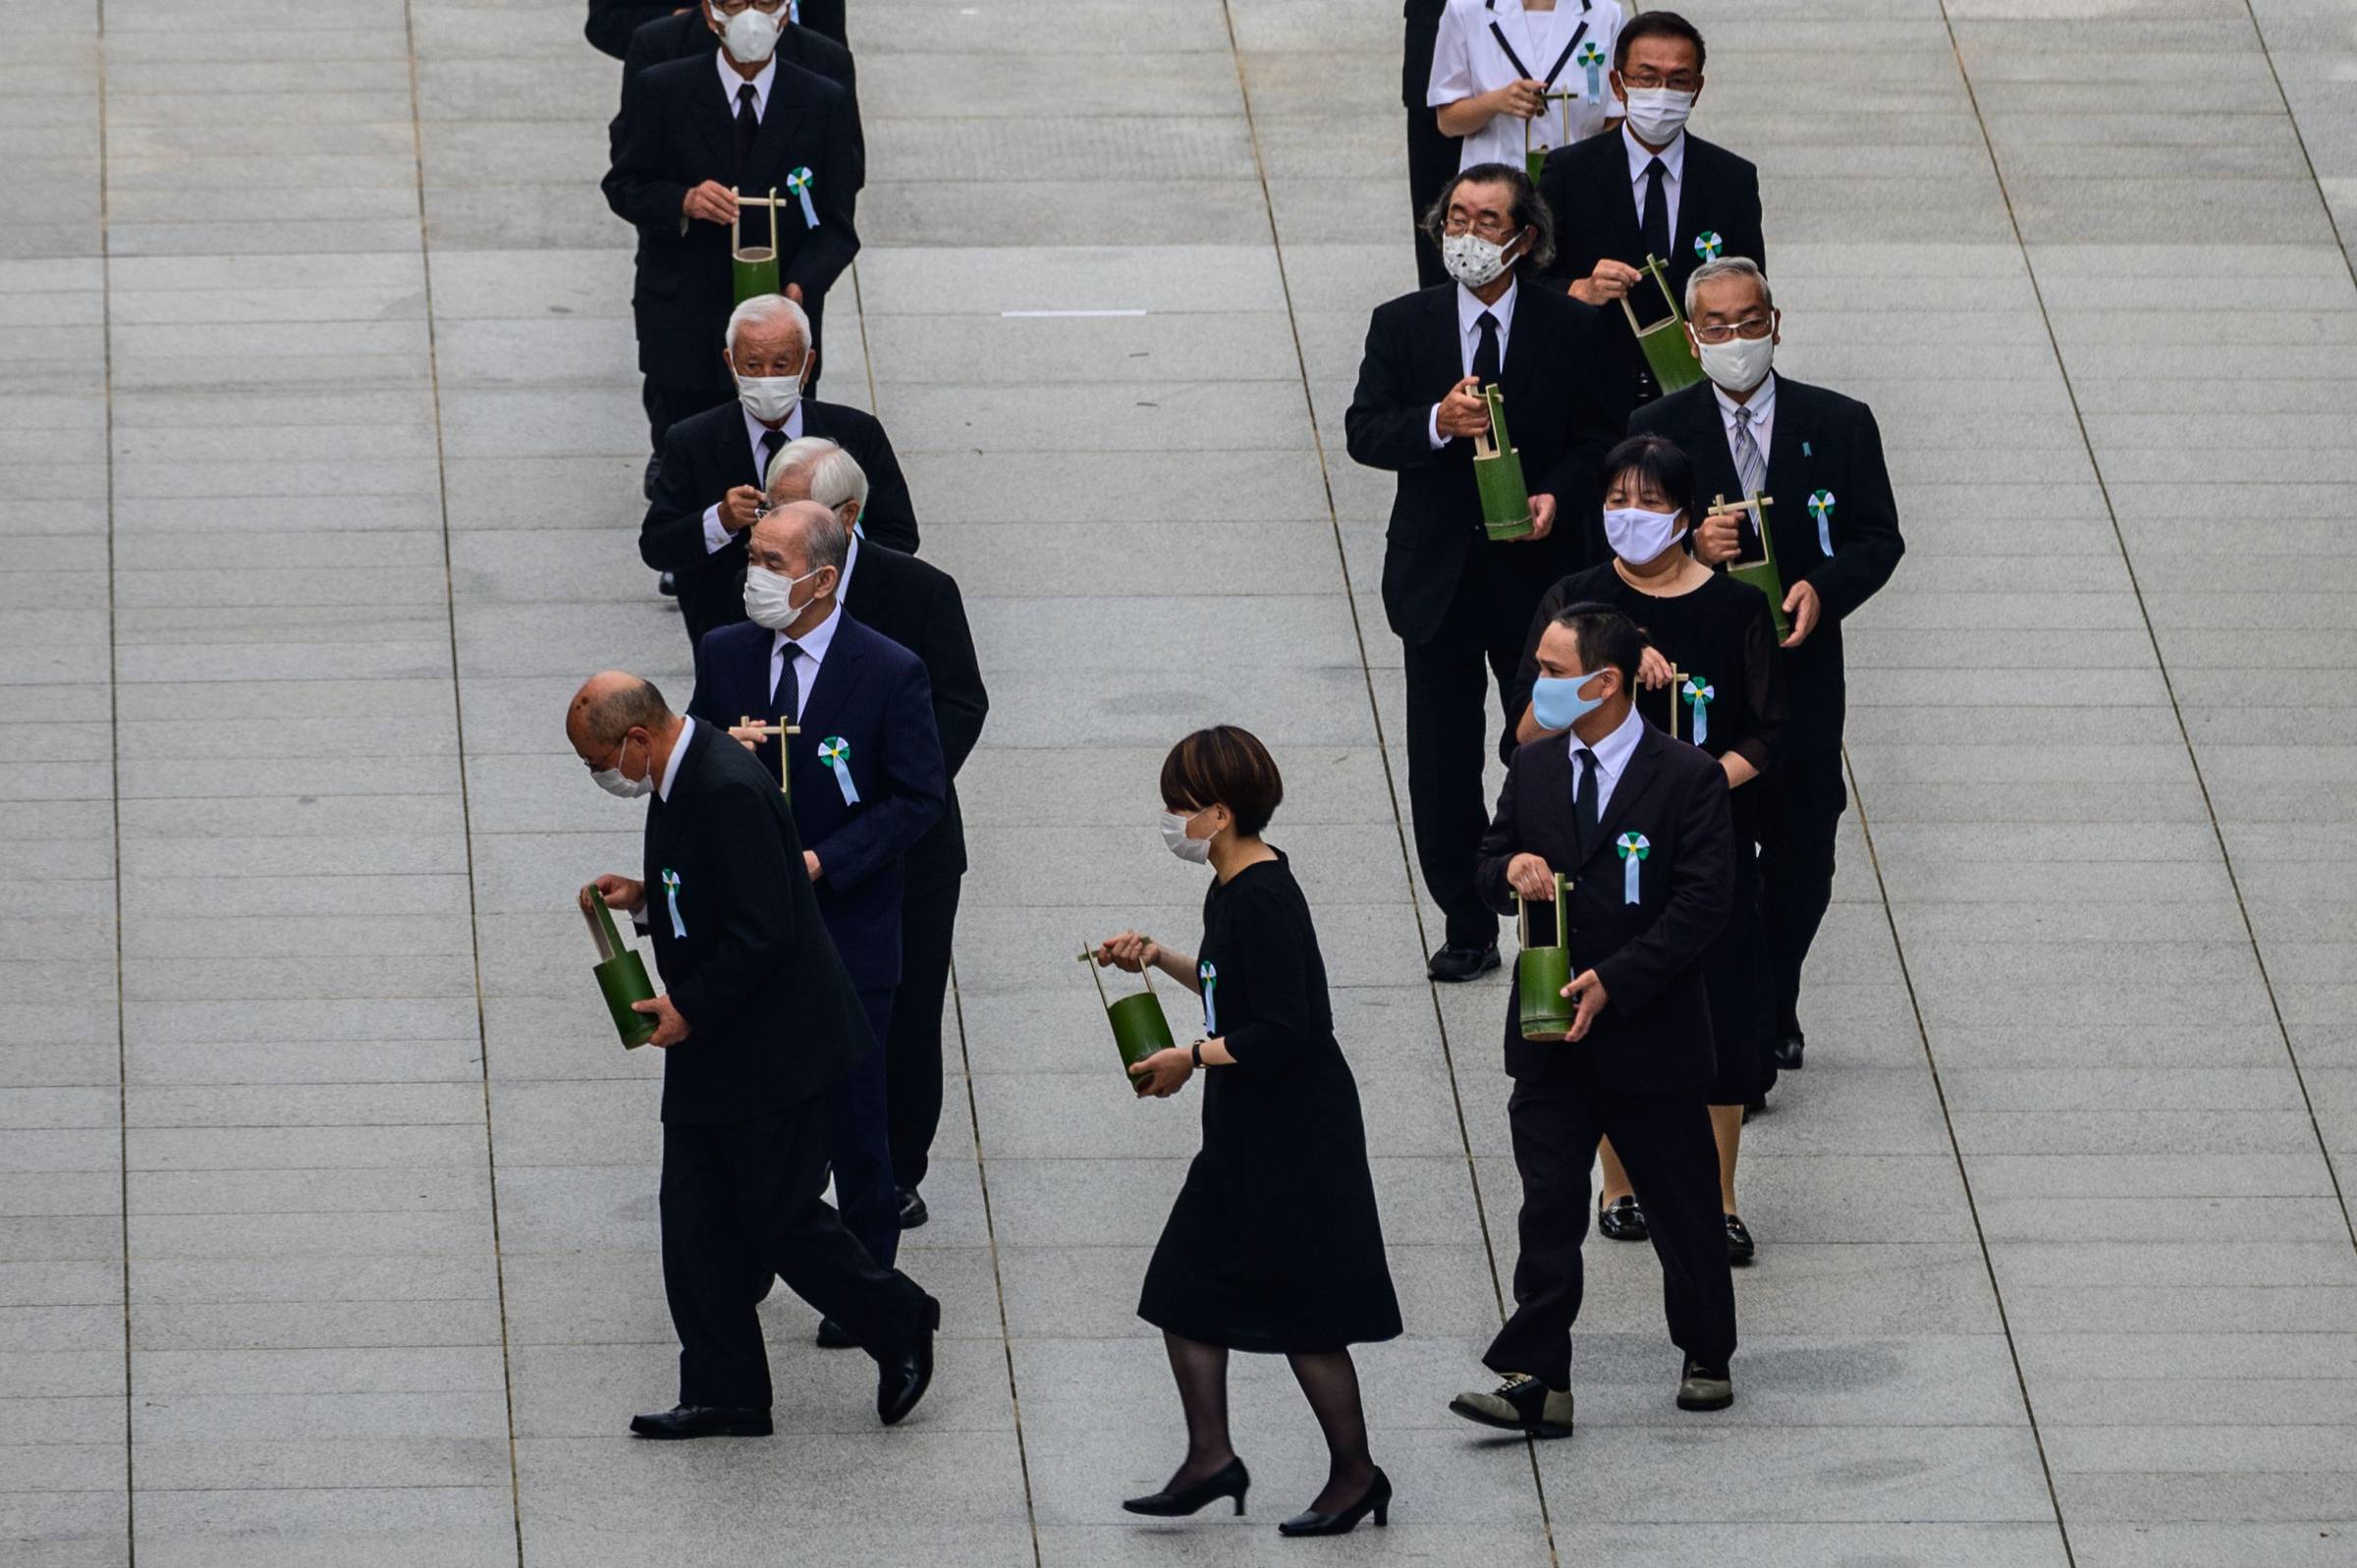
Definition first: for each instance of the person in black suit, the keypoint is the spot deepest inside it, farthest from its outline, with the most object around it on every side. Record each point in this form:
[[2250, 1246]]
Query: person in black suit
[[693, 30], [867, 783], [1648, 187], [917, 606], [708, 485], [1457, 600], [691, 132], [765, 1023], [1431, 156], [1834, 523], [613, 24], [1641, 825]]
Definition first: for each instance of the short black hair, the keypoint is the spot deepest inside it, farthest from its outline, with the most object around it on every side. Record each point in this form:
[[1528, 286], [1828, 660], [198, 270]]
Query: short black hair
[[1658, 25], [1603, 637], [1524, 208], [1660, 459], [1224, 766]]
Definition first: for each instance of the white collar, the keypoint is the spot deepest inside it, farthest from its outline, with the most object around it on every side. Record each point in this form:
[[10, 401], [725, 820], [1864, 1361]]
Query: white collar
[[1612, 752], [815, 642], [760, 80], [1673, 157], [1470, 308], [850, 560], [1761, 404], [671, 769], [754, 430]]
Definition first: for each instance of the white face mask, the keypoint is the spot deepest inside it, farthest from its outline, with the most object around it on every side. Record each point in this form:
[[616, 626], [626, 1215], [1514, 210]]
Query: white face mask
[[1739, 363], [769, 398], [612, 783], [1656, 114], [1472, 260], [1195, 852], [1637, 535], [769, 597], [751, 35]]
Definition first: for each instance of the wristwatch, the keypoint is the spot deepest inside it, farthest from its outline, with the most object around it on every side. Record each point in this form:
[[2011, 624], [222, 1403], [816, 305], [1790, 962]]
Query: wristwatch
[[1196, 1051]]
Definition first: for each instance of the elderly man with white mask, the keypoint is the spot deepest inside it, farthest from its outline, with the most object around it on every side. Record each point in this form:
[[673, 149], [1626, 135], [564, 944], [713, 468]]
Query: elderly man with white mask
[[708, 488]]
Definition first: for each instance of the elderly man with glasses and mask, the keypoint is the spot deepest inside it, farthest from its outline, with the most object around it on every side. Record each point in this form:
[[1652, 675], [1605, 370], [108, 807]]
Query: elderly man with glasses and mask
[[708, 490], [1833, 522]]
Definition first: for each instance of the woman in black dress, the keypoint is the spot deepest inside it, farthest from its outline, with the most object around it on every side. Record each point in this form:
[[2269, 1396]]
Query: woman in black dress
[[1712, 676], [1274, 1244]]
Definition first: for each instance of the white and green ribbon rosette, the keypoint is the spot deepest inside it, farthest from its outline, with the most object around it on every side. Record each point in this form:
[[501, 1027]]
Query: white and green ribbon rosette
[[1209, 975], [1821, 507], [1707, 244], [798, 183], [836, 753], [1698, 692], [671, 897], [1634, 847], [1591, 60]]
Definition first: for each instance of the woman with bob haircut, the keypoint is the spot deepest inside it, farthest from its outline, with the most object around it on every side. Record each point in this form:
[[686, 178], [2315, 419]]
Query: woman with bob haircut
[[1274, 1245]]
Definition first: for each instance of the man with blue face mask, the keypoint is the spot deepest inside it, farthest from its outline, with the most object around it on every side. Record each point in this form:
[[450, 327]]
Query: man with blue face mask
[[1640, 825]]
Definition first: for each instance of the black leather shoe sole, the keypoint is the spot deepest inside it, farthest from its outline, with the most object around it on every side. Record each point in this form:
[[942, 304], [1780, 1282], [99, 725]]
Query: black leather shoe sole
[[913, 1212], [655, 1428], [1451, 965]]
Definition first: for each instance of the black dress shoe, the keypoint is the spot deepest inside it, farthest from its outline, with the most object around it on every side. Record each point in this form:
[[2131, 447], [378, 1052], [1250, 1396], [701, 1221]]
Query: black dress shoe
[[1454, 963], [913, 1212], [901, 1379], [1377, 1500], [1787, 1051], [1739, 1246], [1621, 1220], [668, 585], [832, 1335], [1231, 1479], [702, 1421]]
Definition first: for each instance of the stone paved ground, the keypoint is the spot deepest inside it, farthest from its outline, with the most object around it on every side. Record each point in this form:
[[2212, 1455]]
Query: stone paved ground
[[326, 1205]]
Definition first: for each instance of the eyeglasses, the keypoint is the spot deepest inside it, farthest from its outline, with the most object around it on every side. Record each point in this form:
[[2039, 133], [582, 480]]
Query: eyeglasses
[[1729, 331], [1488, 225], [731, 8], [1648, 81]]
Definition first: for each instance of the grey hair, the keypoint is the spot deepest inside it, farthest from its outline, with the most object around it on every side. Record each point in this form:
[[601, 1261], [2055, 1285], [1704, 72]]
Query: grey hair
[[639, 705], [1729, 267], [825, 541], [763, 308], [835, 474]]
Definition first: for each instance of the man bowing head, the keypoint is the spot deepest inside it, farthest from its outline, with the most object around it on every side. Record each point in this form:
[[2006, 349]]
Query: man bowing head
[[759, 1021]]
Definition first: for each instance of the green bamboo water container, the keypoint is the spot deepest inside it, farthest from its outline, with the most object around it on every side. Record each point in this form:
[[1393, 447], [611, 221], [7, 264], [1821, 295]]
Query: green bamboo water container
[[620, 973], [1665, 343], [1498, 472], [1138, 1027], [1760, 571], [755, 267], [1534, 156], [1542, 973]]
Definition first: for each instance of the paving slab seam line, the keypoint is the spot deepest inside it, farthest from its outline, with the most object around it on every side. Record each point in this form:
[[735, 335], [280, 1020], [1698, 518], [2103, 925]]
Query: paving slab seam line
[[2168, 684], [2299, 140], [114, 743], [1358, 634], [457, 716]]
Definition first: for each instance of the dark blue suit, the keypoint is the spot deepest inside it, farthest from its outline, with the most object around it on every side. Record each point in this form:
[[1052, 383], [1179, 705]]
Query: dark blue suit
[[870, 699]]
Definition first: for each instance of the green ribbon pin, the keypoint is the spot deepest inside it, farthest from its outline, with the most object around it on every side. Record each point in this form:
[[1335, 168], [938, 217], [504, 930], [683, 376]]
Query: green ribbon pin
[[798, 183], [1707, 244], [1821, 507], [1634, 847], [836, 753], [1698, 693], [1591, 60]]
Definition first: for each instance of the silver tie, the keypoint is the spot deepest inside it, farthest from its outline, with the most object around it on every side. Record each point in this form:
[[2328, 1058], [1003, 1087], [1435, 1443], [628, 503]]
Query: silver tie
[[1750, 467]]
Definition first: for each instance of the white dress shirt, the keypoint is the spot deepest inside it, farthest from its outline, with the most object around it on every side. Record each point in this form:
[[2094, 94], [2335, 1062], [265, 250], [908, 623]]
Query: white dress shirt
[[1612, 757], [1763, 418], [810, 651], [730, 82], [716, 532], [850, 561], [1466, 62], [1674, 175], [1468, 339]]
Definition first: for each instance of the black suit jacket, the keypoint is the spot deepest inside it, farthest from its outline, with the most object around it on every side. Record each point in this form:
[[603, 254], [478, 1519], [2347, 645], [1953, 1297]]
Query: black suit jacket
[[1553, 416], [612, 21], [706, 455], [1422, 36], [917, 605], [772, 1016], [1824, 441], [871, 694], [1654, 1034], [673, 133], [1586, 185], [684, 37]]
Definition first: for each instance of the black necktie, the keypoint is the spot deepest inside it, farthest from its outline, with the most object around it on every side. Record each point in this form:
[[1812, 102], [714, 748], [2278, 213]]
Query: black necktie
[[1485, 352], [1653, 226], [787, 700], [1583, 805], [748, 125], [773, 442]]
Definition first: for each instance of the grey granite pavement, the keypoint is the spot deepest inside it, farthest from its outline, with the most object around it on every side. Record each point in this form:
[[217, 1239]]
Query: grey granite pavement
[[327, 1204]]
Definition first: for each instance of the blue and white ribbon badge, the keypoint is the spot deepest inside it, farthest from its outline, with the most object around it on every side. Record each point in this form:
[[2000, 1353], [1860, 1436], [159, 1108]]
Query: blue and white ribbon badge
[[1634, 847], [1821, 507], [1209, 975], [836, 753], [671, 897], [1698, 692], [798, 183]]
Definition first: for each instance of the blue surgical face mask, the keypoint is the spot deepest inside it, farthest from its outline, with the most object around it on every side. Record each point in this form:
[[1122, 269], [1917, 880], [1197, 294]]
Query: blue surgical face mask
[[1556, 703]]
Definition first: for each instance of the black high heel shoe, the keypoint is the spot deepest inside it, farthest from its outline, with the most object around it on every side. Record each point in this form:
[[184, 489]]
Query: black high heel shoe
[[1376, 1501], [1232, 1479]]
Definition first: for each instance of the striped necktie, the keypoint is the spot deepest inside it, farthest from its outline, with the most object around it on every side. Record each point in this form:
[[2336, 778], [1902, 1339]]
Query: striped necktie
[[1750, 467]]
